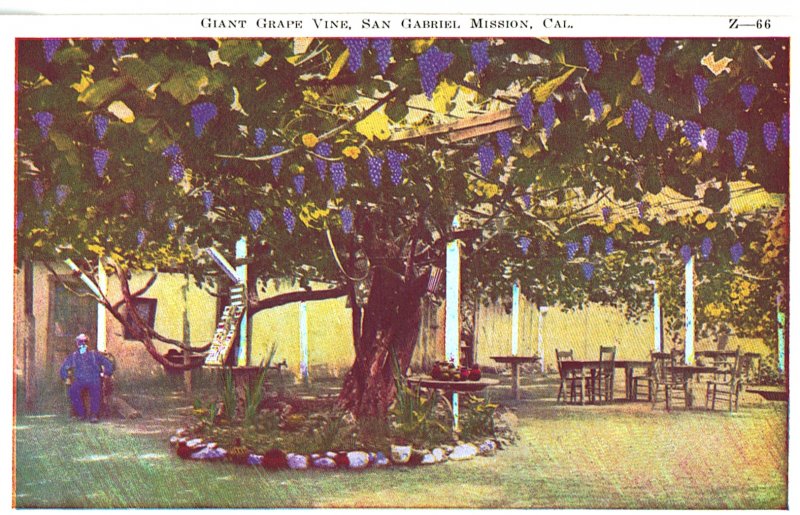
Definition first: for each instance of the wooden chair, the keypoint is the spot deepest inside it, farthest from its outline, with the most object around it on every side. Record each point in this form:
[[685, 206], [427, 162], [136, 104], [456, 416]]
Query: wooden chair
[[665, 379], [645, 379], [727, 383], [603, 389], [568, 379]]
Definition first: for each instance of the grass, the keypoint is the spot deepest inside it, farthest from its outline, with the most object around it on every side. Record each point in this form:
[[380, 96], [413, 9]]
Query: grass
[[617, 456]]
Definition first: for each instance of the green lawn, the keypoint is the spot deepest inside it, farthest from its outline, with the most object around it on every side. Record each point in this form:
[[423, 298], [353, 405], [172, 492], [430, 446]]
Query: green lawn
[[619, 456]]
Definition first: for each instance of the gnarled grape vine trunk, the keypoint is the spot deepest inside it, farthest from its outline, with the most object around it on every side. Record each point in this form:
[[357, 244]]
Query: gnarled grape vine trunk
[[390, 323]]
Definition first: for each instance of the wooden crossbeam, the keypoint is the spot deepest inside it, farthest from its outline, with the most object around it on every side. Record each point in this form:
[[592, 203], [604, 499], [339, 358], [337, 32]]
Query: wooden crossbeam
[[465, 129]]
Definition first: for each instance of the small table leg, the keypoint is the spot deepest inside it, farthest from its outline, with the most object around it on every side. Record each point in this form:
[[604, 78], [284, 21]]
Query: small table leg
[[515, 381]]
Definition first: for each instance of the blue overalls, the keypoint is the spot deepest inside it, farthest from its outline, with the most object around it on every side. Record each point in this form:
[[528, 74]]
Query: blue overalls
[[86, 376]]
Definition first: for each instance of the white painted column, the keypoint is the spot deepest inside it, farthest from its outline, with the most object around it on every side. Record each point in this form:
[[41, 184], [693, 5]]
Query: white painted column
[[658, 343], [515, 318], [102, 282], [241, 272], [303, 342], [781, 336], [540, 330], [452, 330], [688, 349]]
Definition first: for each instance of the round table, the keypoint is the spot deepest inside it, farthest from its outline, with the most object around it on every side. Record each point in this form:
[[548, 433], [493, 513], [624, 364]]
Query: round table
[[452, 386], [515, 362]]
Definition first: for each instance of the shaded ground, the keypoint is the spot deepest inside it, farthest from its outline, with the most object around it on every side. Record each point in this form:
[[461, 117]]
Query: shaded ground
[[617, 456]]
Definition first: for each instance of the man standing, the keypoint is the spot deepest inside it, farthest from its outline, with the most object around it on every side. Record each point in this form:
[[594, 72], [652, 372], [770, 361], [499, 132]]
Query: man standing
[[86, 366]]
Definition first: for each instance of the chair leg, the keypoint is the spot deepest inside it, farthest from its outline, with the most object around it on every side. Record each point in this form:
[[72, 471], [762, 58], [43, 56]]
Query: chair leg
[[560, 389]]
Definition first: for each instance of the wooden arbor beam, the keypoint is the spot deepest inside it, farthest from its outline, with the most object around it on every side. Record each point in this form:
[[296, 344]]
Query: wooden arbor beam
[[480, 125]]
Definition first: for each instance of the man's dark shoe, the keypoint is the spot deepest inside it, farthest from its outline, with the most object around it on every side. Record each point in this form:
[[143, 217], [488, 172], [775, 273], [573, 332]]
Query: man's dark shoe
[[94, 420]]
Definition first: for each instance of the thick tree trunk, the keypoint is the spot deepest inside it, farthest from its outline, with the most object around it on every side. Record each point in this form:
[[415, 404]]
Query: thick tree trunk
[[391, 323]]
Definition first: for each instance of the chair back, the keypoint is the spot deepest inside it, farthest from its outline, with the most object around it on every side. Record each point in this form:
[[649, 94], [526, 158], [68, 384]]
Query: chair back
[[659, 365], [563, 355], [607, 355], [748, 367], [676, 357]]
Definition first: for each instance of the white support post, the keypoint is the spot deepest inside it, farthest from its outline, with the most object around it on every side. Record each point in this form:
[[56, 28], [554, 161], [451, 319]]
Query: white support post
[[241, 274], [540, 330], [781, 335], [452, 330], [303, 342], [515, 318], [688, 349], [658, 343], [102, 282]]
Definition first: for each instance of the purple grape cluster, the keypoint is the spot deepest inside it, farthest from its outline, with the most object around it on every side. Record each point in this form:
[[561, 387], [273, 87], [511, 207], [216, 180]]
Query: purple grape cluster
[[44, 119], [255, 218], [547, 112], [655, 45], [46, 217], [62, 190], [100, 157], [324, 149], [700, 85], [100, 126], [51, 46], [480, 55], [596, 102], [172, 225], [141, 236], [299, 183], [647, 65], [172, 152], [395, 160], [692, 132], [383, 52], [588, 271], [289, 219], [375, 168], [587, 244], [627, 118], [347, 220], [526, 199], [609, 245], [641, 118], [705, 247], [208, 200], [505, 143], [660, 123], [572, 249], [260, 136], [356, 47], [738, 139], [486, 158], [686, 253], [128, 199], [785, 128], [176, 171], [276, 162], [770, 131], [524, 108], [641, 208], [119, 46], [96, 44], [38, 189], [338, 176], [431, 64], [748, 92], [593, 58], [737, 251], [711, 135], [202, 113], [606, 211], [149, 209], [524, 244]]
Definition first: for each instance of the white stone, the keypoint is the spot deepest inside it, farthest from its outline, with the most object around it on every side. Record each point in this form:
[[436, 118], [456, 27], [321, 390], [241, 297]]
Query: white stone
[[181, 432], [439, 454], [381, 460], [358, 459], [324, 463], [401, 453], [173, 440], [194, 442], [297, 461], [488, 448], [466, 451], [208, 454], [428, 459], [254, 459], [330, 454]]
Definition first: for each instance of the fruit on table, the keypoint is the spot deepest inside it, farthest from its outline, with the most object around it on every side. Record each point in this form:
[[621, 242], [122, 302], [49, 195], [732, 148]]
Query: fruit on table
[[475, 373]]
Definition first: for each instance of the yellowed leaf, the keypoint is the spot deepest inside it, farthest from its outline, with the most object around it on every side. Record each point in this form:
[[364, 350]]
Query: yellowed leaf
[[613, 122], [529, 150], [236, 105], [442, 95], [262, 59], [542, 92], [637, 79], [716, 66], [119, 109], [301, 44], [84, 83], [711, 224], [701, 218], [374, 126], [339, 64], [417, 46]]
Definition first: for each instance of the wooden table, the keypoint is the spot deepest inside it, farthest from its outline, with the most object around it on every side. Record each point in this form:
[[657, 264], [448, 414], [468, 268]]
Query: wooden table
[[592, 366], [452, 386], [515, 362], [691, 372]]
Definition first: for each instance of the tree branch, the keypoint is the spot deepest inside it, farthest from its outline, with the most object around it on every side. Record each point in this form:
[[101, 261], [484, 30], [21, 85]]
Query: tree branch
[[142, 290], [296, 296]]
